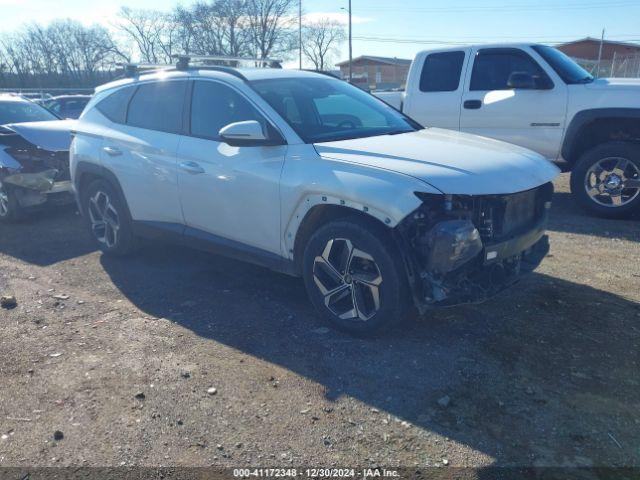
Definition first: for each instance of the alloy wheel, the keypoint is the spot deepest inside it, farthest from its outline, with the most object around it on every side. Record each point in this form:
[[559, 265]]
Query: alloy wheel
[[613, 182], [348, 279], [4, 203], [105, 221]]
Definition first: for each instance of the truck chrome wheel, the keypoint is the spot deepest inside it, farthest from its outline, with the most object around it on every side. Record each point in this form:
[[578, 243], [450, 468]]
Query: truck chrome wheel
[[4, 203], [105, 221], [613, 182], [348, 279]]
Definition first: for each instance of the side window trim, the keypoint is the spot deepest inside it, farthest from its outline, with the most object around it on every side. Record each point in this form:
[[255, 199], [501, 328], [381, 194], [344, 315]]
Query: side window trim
[[126, 110], [270, 125], [505, 50]]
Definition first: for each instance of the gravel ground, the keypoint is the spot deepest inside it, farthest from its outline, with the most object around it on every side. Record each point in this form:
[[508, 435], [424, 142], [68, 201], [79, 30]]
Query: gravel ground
[[121, 356]]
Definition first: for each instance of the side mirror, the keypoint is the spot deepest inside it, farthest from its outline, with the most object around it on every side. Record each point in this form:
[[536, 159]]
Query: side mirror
[[521, 81], [239, 134]]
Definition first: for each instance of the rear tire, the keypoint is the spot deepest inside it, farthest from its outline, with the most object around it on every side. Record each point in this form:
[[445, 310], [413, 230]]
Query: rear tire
[[107, 218], [355, 276], [606, 180], [10, 209]]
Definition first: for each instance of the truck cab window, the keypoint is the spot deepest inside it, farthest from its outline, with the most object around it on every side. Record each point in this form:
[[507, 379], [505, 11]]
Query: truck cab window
[[441, 72], [493, 67]]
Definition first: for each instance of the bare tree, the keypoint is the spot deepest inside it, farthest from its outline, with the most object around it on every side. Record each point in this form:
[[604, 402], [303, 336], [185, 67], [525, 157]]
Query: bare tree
[[271, 25], [64, 53], [153, 32], [320, 41], [215, 28]]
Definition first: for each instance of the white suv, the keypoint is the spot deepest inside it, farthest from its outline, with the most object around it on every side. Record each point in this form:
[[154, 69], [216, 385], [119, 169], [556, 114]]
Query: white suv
[[308, 175]]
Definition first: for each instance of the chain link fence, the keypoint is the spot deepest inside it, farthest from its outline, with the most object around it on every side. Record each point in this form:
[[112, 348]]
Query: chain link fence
[[620, 66]]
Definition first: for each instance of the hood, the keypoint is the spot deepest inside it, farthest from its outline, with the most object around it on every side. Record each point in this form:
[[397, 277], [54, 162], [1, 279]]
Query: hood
[[53, 135], [614, 84], [452, 162]]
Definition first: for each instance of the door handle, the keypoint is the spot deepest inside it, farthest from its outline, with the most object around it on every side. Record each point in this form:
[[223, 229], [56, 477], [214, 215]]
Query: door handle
[[472, 104], [191, 167], [112, 151]]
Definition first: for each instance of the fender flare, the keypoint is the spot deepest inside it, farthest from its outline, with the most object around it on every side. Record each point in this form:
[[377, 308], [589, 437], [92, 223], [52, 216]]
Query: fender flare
[[84, 168], [313, 200], [584, 118]]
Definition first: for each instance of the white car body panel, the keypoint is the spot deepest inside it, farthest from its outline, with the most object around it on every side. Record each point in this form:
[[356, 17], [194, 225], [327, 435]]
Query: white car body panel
[[308, 180], [237, 196], [147, 171], [533, 119], [604, 93], [452, 162], [434, 109]]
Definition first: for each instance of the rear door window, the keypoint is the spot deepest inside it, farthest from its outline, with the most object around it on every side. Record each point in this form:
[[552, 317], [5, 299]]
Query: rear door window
[[158, 106], [441, 72]]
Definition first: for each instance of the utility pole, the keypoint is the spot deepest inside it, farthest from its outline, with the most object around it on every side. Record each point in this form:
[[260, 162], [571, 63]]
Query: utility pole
[[350, 45], [600, 54], [300, 32]]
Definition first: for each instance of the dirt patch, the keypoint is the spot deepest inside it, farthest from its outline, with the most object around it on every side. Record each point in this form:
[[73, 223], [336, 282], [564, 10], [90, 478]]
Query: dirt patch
[[111, 362]]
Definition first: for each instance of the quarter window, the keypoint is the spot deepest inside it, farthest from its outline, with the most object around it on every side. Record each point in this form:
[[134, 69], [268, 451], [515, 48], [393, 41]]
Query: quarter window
[[493, 67], [214, 106], [441, 72], [158, 106], [114, 106]]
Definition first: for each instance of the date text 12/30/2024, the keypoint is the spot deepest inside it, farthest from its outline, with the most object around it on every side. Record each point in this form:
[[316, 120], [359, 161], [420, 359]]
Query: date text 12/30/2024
[[315, 473]]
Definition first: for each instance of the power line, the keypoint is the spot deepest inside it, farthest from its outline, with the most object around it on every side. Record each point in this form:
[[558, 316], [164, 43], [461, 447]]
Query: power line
[[509, 8], [441, 41]]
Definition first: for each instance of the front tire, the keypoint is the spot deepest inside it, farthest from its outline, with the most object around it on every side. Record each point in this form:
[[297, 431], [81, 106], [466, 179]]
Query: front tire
[[107, 218], [10, 210], [606, 180], [355, 277]]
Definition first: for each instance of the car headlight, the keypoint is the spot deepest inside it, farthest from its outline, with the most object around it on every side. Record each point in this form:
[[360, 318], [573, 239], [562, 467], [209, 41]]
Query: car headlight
[[451, 244]]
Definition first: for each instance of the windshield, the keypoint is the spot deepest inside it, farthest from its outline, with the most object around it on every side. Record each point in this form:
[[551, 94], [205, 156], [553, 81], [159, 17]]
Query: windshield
[[21, 111], [326, 109], [567, 69]]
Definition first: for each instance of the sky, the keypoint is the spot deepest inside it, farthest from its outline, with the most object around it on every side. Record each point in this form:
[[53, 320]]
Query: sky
[[398, 28]]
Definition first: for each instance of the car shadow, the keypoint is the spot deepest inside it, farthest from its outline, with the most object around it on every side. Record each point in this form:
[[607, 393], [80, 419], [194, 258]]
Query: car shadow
[[543, 374], [59, 232], [567, 216]]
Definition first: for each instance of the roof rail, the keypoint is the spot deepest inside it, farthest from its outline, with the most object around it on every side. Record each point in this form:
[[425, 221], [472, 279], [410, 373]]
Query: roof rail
[[133, 69], [204, 62], [184, 60]]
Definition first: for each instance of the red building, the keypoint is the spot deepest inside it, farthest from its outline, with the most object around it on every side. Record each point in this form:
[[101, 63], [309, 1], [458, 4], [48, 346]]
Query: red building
[[377, 73]]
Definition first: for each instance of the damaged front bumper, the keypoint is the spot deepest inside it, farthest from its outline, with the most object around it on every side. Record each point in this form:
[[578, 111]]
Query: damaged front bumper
[[34, 175], [466, 249]]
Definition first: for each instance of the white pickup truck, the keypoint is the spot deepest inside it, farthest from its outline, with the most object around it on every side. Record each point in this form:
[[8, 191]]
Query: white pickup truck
[[536, 97]]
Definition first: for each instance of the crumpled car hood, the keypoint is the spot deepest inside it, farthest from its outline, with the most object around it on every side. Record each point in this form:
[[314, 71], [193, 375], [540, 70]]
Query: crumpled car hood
[[54, 136], [452, 162]]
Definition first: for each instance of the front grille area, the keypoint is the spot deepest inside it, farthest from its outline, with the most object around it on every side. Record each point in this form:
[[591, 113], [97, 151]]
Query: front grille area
[[498, 217]]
